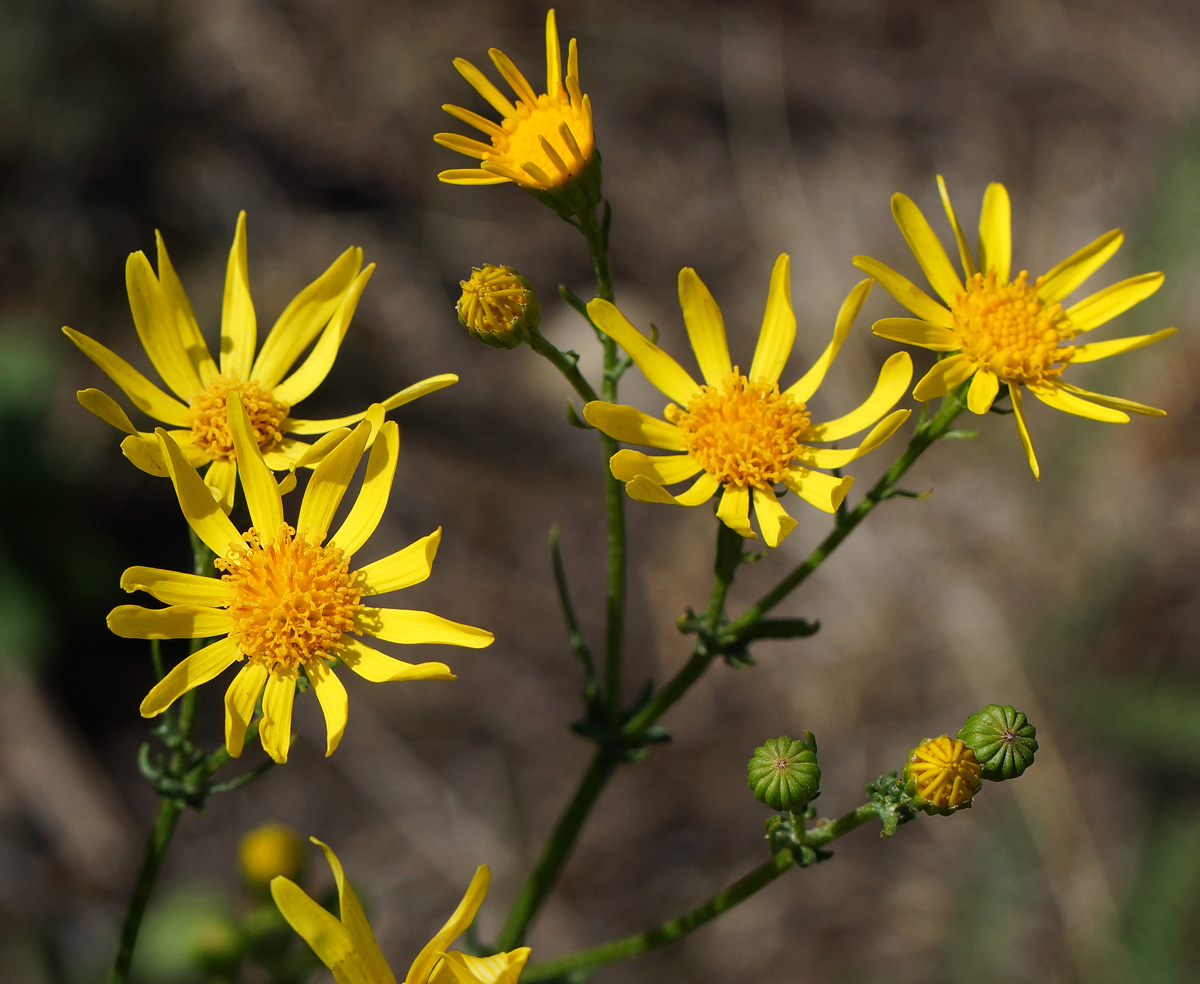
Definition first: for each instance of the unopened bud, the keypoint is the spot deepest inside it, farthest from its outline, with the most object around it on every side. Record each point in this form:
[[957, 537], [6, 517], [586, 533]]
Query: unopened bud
[[498, 306], [1003, 740], [943, 775], [784, 773]]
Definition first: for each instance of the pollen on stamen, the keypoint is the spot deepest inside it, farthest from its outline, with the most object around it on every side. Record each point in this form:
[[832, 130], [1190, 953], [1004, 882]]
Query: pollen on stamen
[[1009, 330], [210, 428], [744, 433], [292, 599]]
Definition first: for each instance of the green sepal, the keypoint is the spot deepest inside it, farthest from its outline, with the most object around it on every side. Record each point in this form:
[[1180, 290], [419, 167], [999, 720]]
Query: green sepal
[[892, 802], [579, 194], [784, 774], [1002, 739], [787, 834], [779, 628]]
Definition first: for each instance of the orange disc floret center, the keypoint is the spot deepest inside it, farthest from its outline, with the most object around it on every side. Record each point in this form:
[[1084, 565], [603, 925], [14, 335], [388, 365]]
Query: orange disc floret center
[[210, 428], [292, 600], [744, 433], [945, 771], [524, 133], [493, 300], [1008, 329]]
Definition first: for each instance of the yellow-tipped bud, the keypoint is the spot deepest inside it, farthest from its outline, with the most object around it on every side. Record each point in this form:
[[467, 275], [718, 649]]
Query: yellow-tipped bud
[[498, 306], [943, 775], [270, 850]]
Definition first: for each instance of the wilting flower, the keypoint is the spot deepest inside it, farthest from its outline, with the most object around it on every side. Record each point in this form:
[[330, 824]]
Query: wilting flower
[[943, 775], [542, 141], [169, 332], [998, 330], [289, 601], [741, 432], [348, 947]]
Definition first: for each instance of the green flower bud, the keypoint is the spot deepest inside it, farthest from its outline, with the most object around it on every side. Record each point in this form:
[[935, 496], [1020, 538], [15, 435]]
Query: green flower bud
[[498, 306], [1003, 740], [784, 773], [942, 775]]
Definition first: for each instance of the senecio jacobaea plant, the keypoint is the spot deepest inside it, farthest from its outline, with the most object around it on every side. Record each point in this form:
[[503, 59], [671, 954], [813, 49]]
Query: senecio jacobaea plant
[[289, 603]]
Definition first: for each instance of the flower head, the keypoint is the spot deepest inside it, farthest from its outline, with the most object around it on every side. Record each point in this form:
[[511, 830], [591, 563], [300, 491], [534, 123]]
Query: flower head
[[739, 431], [943, 775], [348, 947], [269, 851], [996, 330], [290, 600], [542, 142], [268, 386], [498, 306]]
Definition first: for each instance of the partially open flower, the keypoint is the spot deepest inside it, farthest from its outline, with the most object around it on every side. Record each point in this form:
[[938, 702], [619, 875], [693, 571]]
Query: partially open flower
[[943, 775], [498, 306]]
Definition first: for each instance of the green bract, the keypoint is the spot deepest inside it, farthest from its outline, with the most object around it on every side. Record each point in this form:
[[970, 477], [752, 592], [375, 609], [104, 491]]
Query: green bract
[[784, 773], [1002, 739]]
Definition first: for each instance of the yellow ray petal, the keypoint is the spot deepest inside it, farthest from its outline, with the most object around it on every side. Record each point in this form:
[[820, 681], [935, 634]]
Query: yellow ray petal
[[478, 81], [1014, 393], [176, 587], [275, 730], [665, 470], [912, 331], [313, 370], [143, 450], [840, 457], [1106, 304], [221, 479], [474, 119], [984, 387], [402, 569], [471, 176], [1077, 267], [291, 454], [157, 328], [894, 377], [1102, 350], [826, 492], [461, 918], [734, 511], [406, 395], [554, 72], [943, 377], [464, 145], [906, 292], [371, 664], [995, 232], [106, 408], [1060, 399], [328, 938], [200, 509], [304, 317], [778, 331], [705, 327], [1115, 402], [663, 371], [355, 922], [258, 483], [239, 329], [328, 484], [185, 320], [372, 499], [807, 385], [512, 75], [335, 706], [408, 627], [773, 519], [500, 968], [240, 699], [964, 251], [631, 426], [174, 622], [644, 489], [145, 395], [927, 248], [189, 673]]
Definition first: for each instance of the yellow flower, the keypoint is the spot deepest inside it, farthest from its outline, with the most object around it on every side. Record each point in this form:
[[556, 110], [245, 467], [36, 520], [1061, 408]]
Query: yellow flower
[[1008, 331], [944, 772], [741, 431], [348, 947], [498, 306], [169, 332], [289, 600], [268, 851], [542, 141]]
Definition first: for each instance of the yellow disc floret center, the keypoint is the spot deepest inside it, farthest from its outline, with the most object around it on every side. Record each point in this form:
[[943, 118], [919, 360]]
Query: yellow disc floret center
[[945, 771], [292, 600], [526, 135], [1009, 330], [744, 433], [493, 300], [210, 428]]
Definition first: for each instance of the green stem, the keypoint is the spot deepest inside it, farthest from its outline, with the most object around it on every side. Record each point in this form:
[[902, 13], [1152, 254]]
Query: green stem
[[156, 849], [822, 833], [556, 851], [566, 363]]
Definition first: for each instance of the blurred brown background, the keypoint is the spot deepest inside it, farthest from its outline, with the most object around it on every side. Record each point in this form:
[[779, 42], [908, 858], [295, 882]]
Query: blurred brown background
[[729, 133]]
